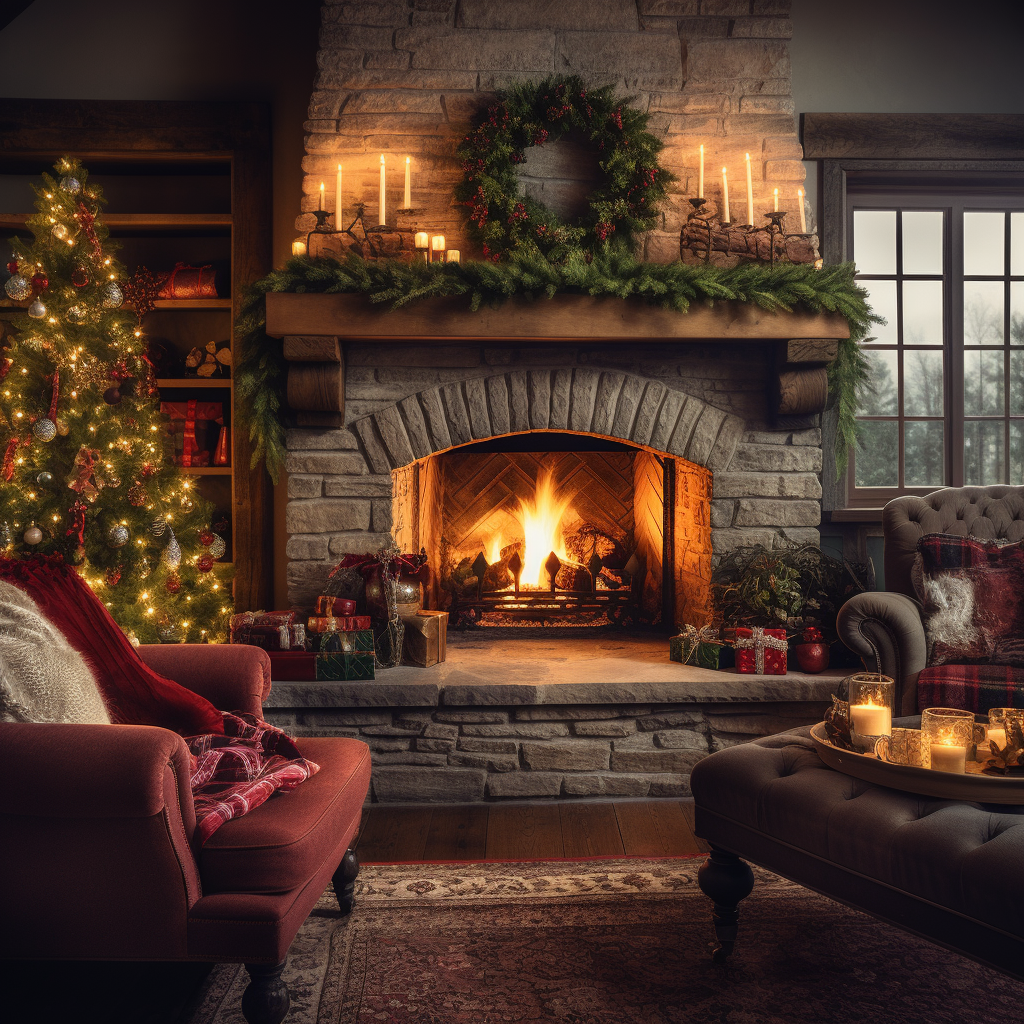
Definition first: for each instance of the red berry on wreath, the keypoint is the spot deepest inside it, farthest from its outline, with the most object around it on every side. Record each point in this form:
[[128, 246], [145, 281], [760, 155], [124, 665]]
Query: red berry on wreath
[[206, 538], [79, 277], [204, 563], [40, 282], [173, 584]]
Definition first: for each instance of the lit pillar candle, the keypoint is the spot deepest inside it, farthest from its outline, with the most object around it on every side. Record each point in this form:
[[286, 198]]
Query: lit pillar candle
[[948, 757], [383, 208], [725, 196], [700, 179], [337, 202], [407, 202], [997, 735], [776, 200], [803, 217], [750, 194], [437, 245], [422, 243], [298, 247], [871, 719], [320, 205]]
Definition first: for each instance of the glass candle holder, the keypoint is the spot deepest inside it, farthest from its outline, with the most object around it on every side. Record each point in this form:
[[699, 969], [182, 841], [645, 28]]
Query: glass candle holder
[[871, 698], [997, 726], [946, 737]]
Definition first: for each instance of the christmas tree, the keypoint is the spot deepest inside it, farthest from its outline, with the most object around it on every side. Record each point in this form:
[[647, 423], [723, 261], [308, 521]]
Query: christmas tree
[[84, 474]]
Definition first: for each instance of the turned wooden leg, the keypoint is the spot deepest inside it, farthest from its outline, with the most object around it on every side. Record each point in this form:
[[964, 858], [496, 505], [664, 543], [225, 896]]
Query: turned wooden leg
[[265, 1000], [726, 880], [344, 880]]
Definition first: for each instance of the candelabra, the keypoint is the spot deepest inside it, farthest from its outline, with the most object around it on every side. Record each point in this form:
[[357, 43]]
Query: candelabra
[[323, 227]]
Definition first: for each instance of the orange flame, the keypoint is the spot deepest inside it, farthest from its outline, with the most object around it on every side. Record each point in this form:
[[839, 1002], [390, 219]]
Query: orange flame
[[541, 521]]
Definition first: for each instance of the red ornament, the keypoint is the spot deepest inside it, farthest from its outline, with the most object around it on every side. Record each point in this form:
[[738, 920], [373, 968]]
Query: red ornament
[[40, 282], [173, 584], [12, 267], [137, 495], [812, 654], [204, 563], [147, 470], [113, 576], [79, 277], [112, 396], [206, 538]]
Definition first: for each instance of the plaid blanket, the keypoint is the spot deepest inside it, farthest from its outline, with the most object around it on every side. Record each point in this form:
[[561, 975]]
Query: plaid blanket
[[971, 687], [233, 773]]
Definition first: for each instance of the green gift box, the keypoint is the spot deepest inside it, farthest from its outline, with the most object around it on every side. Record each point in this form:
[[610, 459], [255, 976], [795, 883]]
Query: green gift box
[[690, 650], [339, 665], [348, 641]]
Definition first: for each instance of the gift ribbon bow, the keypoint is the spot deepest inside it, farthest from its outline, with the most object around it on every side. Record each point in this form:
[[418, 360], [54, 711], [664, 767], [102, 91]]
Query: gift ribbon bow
[[694, 636], [85, 461], [760, 641]]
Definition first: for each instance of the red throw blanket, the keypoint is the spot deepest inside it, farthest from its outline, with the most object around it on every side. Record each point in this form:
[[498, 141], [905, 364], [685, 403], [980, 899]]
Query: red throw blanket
[[234, 773]]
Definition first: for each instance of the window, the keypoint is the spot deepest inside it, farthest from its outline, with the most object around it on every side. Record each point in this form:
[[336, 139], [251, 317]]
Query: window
[[945, 268]]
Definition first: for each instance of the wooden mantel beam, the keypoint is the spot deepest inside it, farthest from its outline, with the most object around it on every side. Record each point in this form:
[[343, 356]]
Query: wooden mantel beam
[[564, 318]]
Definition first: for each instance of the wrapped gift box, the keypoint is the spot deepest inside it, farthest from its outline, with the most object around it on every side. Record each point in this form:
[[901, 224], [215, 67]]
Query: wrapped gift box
[[348, 641], [761, 650], [271, 638], [262, 619], [195, 428], [337, 623], [695, 647], [327, 605], [426, 638], [296, 666]]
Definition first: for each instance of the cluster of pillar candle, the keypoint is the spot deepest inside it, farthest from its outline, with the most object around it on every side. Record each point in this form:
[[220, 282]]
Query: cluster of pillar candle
[[726, 218], [433, 248]]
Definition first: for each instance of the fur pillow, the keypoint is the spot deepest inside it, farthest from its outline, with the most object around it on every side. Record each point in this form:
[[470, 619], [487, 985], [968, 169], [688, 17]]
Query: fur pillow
[[973, 597], [42, 677]]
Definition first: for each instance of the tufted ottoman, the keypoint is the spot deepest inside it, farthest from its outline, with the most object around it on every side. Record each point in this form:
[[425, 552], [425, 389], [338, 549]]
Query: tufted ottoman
[[950, 871]]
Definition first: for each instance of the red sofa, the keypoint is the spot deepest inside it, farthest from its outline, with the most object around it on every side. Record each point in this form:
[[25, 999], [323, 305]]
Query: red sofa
[[101, 858]]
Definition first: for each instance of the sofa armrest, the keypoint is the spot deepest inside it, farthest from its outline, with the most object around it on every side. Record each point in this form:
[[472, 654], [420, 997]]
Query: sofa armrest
[[98, 825], [886, 632], [232, 677]]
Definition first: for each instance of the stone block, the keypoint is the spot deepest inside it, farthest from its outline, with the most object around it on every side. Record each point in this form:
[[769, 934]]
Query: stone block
[[365, 12], [307, 547], [680, 739], [661, 246], [305, 486], [708, 60], [441, 785], [476, 404], [672, 785], [326, 515], [800, 535], [723, 512], [724, 541], [384, 745], [767, 105], [490, 762], [618, 728], [606, 785], [706, 27], [347, 717], [767, 485], [475, 746], [441, 732], [574, 757], [392, 730], [458, 414], [410, 757], [380, 517], [539, 398], [766, 512], [691, 103], [778, 8], [762, 28], [413, 719], [436, 746], [335, 463], [561, 381], [784, 170], [436, 418], [357, 543], [725, 8], [355, 37], [585, 713], [767, 458], [532, 730], [669, 8], [637, 741], [641, 60], [474, 717], [722, 740], [655, 760], [373, 485], [388, 101], [439, 48], [583, 410], [609, 16], [762, 725], [300, 439], [669, 720], [523, 784]]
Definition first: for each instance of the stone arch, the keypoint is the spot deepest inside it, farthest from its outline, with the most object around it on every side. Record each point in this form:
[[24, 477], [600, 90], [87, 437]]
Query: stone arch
[[607, 403]]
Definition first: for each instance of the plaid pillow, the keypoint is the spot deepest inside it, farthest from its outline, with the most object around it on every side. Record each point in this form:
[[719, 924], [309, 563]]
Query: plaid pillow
[[973, 597]]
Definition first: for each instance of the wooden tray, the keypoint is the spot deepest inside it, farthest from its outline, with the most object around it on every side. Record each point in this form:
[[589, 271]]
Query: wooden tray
[[975, 786]]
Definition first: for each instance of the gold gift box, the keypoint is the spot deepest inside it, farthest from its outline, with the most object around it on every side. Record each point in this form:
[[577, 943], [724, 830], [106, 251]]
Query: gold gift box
[[426, 638]]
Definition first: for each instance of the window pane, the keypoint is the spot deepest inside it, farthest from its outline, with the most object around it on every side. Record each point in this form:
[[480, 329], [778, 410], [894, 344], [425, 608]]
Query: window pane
[[880, 397], [1016, 452], [1017, 244], [1017, 313], [922, 383], [983, 383], [983, 452], [984, 243], [922, 312], [922, 242], [882, 300], [923, 460], [1016, 383], [874, 241], [983, 312], [877, 459]]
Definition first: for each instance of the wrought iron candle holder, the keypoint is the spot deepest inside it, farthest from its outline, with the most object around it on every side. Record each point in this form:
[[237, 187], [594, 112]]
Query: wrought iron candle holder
[[324, 226]]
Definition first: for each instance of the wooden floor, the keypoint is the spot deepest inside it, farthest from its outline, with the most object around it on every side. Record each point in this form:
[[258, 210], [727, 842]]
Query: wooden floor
[[528, 831]]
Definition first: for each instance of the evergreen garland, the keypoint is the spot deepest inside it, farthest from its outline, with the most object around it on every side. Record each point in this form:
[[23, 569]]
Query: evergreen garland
[[509, 223], [260, 376]]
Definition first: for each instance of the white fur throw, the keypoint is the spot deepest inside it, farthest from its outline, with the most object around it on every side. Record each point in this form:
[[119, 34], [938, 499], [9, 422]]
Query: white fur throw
[[42, 677]]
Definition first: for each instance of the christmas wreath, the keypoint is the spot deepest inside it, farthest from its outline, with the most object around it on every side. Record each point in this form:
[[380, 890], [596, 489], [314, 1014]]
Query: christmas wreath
[[508, 222]]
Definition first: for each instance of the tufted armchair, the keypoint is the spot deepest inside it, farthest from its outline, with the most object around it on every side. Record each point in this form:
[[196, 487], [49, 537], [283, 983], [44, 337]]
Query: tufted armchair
[[884, 627]]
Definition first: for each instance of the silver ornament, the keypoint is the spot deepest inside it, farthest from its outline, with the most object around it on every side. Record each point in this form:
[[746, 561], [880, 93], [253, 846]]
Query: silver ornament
[[18, 287], [118, 536], [218, 547], [44, 479], [113, 481], [60, 232], [172, 553], [45, 429], [112, 296], [76, 314], [71, 184], [170, 634], [37, 310], [158, 527], [33, 535], [132, 638]]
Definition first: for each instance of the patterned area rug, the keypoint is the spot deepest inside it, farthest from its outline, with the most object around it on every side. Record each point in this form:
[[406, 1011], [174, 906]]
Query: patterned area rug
[[606, 941]]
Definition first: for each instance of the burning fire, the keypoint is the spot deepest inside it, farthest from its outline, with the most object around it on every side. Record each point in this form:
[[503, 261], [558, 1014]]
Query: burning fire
[[541, 521]]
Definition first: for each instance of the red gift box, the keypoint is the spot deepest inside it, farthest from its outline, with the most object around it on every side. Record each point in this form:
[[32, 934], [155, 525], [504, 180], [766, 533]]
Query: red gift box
[[338, 623], [326, 605], [761, 650]]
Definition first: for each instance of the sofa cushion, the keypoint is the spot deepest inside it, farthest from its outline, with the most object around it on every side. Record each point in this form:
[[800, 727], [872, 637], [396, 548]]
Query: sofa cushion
[[962, 856], [973, 597], [971, 687], [282, 843]]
